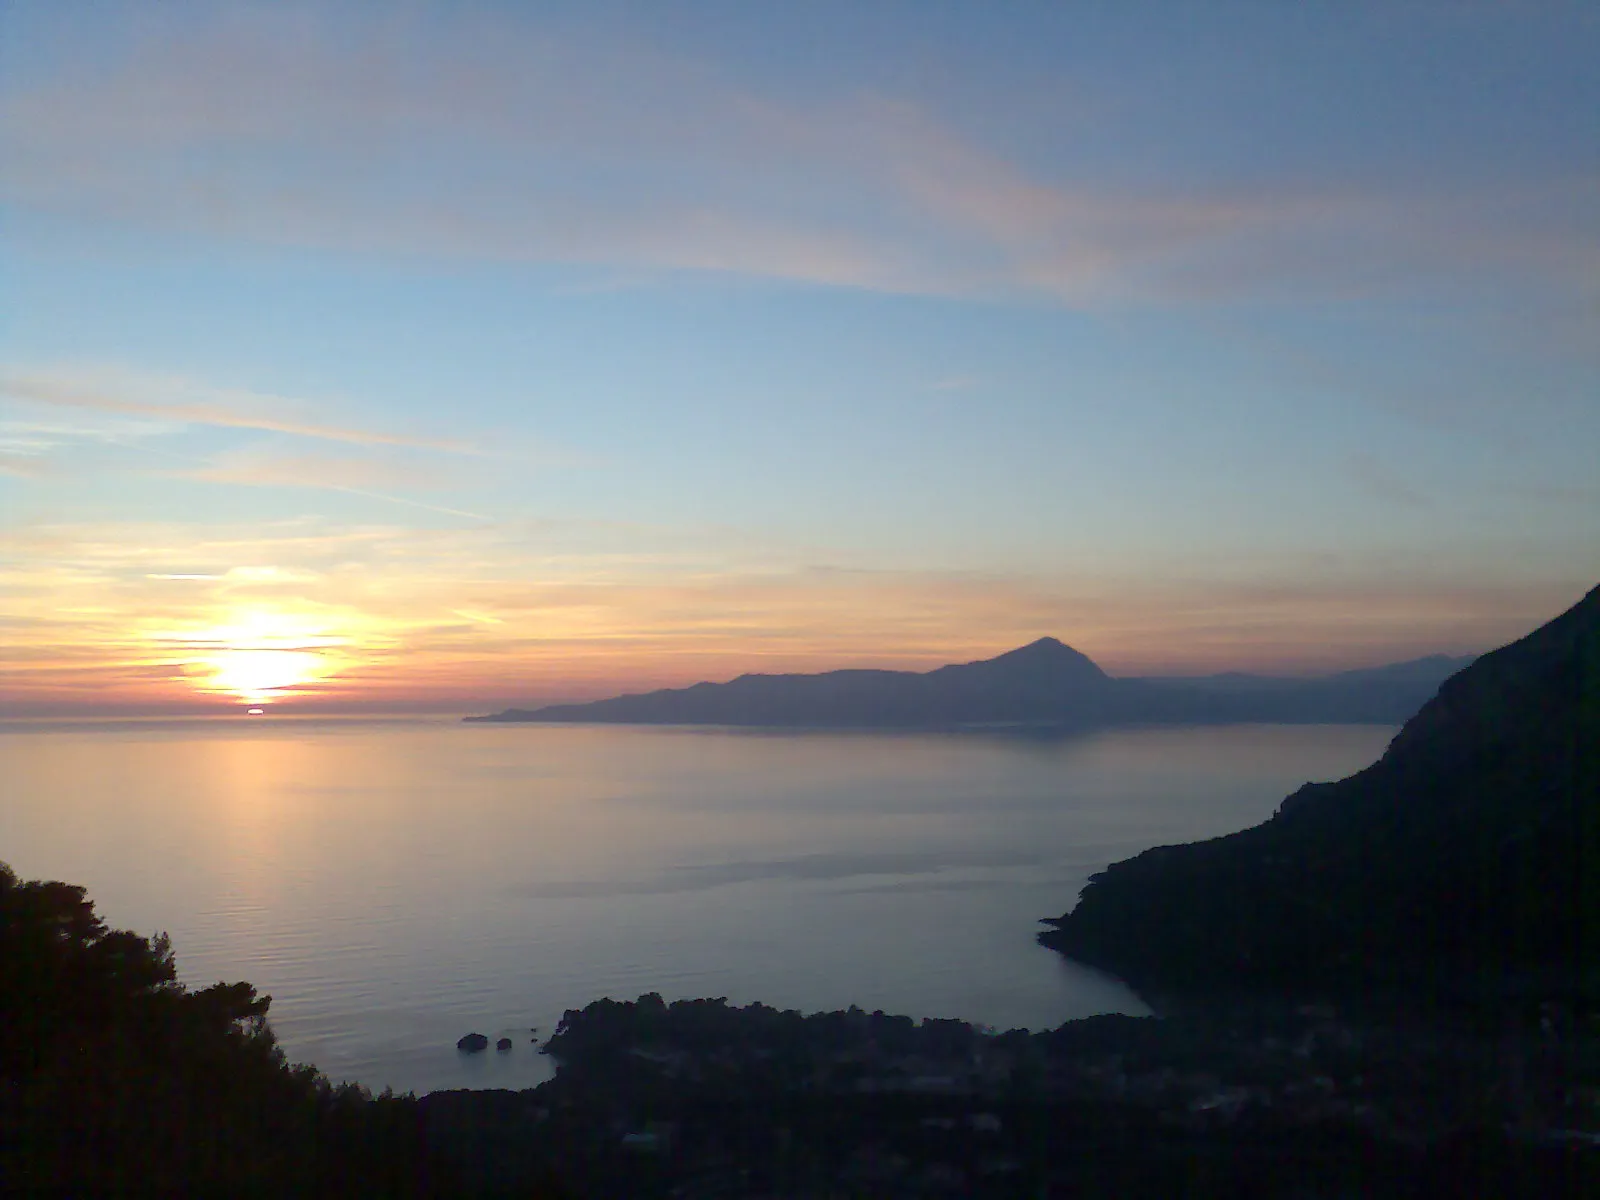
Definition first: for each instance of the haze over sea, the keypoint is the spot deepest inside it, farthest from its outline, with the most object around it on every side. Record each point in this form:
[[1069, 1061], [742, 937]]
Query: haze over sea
[[396, 883]]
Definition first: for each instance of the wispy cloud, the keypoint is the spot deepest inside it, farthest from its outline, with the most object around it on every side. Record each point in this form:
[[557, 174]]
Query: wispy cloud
[[177, 401], [26, 466], [520, 146], [338, 473], [135, 411]]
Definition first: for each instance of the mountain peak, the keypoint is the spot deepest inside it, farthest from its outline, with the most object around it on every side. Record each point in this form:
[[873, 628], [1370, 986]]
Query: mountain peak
[[1044, 648], [1047, 654]]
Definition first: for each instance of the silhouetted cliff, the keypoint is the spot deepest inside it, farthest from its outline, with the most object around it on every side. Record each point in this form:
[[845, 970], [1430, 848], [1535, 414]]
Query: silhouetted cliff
[[1469, 853]]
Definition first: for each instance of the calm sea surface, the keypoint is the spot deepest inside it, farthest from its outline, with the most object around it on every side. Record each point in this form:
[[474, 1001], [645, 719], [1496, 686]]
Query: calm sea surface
[[395, 884]]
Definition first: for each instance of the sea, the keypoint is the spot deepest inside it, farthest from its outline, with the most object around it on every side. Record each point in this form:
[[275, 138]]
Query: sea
[[396, 883]]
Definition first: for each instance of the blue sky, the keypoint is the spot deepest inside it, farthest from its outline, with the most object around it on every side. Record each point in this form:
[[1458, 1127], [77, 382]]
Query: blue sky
[[405, 354]]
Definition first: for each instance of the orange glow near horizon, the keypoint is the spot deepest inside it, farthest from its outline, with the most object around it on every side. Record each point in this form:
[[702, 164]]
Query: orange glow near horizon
[[448, 624]]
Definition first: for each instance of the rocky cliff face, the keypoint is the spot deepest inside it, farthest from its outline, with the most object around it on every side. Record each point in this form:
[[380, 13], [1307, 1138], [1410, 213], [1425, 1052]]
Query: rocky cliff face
[[1471, 849]]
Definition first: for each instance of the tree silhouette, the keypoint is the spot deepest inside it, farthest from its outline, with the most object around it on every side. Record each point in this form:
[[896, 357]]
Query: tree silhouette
[[115, 1078]]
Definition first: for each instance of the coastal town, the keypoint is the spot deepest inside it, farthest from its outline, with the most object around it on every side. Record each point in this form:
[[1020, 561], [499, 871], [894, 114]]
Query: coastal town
[[698, 1099]]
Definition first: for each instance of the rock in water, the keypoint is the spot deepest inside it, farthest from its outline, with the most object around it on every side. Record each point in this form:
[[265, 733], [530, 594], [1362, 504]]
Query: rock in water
[[503, 1045], [473, 1043]]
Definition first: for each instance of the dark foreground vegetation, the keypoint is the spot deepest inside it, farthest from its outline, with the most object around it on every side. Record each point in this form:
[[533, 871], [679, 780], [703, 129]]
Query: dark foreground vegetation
[[116, 1080]]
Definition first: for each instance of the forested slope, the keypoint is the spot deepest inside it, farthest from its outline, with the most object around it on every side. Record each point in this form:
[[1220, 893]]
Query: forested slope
[[1467, 856]]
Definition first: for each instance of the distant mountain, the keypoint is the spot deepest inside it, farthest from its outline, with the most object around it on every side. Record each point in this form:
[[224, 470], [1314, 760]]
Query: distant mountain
[[1431, 671], [1471, 849], [1427, 672], [1377, 695], [1043, 683]]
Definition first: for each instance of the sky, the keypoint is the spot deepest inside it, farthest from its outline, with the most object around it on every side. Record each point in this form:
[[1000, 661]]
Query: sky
[[438, 356]]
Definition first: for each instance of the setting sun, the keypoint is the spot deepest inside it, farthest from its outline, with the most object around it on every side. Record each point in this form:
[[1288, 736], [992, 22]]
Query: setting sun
[[260, 656], [256, 676]]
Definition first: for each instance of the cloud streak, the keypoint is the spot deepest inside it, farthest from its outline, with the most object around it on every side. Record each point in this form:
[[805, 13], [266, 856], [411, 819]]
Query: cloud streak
[[351, 476], [125, 394], [524, 147], [24, 466]]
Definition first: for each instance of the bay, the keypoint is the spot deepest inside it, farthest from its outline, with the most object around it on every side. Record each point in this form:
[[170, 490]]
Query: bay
[[396, 883]]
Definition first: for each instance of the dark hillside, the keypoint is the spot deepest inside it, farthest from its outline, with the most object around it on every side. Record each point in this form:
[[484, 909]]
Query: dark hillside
[[115, 1079], [1468, 853]]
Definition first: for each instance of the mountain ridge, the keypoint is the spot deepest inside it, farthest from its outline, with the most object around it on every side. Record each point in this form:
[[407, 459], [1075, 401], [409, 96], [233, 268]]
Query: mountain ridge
[[1045, 682]]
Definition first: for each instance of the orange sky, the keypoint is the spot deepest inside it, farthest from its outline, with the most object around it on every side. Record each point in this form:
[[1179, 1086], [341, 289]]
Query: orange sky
[[311, 617]]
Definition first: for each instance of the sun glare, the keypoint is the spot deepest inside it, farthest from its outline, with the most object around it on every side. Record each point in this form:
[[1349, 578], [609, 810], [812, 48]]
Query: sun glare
[[259, 657], [256, 676]]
